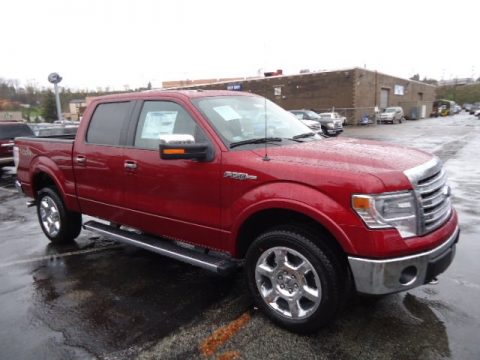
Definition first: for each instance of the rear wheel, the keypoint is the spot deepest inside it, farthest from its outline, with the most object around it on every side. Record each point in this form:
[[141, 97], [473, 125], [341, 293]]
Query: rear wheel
[[58, 224], [298, 284]]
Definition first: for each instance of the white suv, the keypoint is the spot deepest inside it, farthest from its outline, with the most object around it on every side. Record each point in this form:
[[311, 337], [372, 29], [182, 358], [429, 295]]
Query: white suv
[[334, 116], [392, 114]]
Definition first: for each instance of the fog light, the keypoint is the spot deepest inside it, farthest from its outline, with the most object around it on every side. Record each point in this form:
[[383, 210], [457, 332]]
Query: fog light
[[408, 275]]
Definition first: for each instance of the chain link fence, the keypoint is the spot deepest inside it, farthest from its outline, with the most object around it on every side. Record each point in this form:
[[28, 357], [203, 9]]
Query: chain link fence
[[353, 115]]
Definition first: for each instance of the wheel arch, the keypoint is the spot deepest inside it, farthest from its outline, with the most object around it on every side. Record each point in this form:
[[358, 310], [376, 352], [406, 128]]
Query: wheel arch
[[261, 220], [48, 173], [42, 179]]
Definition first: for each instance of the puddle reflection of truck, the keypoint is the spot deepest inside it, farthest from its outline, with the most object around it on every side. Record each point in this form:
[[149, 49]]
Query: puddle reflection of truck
[[311, 219]]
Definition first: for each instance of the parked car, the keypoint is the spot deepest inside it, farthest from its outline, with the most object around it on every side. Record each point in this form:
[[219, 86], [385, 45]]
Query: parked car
[[329, 126], [312, 124], [392, 114], [311, 219], [8, 132], [474, 108], [334, 116]]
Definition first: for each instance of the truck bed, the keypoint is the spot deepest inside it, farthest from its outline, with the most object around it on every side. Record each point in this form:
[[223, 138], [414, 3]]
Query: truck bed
[[49, 154]]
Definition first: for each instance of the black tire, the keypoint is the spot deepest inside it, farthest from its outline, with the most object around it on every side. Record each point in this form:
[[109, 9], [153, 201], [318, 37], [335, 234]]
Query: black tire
[[58, 224], [327, 278], [325, 132]]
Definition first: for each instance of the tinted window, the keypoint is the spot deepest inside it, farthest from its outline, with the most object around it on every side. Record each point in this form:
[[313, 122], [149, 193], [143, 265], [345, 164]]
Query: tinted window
[[11, 131], [159, 120], [108, 123]]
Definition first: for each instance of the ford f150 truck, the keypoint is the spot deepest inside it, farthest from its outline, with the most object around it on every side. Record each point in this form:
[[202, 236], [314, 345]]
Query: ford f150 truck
[[220, 179]]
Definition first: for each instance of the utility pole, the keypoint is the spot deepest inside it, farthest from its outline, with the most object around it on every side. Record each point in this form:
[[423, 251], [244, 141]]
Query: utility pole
[[54, 78]]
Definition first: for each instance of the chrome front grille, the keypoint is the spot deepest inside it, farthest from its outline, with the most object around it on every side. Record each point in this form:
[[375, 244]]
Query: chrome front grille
[[433, 195]]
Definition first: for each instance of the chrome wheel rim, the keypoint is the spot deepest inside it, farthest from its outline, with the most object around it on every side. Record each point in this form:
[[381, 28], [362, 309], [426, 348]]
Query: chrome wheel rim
[[288, 283], [49, 216]]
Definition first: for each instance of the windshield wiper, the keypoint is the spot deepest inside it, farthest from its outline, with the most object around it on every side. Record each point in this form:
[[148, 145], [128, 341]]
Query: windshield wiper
[[254, 141], [301, 136]]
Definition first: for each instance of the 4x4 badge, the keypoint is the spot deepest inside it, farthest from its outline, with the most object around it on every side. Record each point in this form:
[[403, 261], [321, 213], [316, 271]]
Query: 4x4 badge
[[239, 175]]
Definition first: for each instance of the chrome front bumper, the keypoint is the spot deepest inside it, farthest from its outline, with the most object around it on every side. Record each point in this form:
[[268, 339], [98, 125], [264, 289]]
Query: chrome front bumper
[[379, 277]]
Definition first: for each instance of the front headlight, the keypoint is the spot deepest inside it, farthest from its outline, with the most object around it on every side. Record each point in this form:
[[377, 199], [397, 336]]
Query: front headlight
[[397, 210]]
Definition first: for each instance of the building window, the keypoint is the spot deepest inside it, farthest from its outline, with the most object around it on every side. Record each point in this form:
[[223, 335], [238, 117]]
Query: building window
[[399, 90]]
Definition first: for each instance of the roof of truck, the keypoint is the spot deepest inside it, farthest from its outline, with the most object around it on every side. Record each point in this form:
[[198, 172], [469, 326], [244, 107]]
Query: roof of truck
[[171, 93]]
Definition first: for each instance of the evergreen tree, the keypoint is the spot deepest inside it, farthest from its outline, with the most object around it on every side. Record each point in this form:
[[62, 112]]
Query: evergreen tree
[[48, 110]]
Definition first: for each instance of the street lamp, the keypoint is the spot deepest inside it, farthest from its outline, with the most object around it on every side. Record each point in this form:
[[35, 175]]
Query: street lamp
[[54, 78]]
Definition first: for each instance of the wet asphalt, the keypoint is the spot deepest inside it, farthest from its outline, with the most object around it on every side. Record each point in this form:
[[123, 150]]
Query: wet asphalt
[[98, 299]]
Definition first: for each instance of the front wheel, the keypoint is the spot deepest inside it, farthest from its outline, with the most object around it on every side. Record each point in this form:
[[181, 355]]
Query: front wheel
[[325, 131], [58, 224], [298, 284]]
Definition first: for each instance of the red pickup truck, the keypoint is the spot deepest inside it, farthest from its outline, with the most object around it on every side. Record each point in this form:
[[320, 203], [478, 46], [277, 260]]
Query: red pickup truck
[[220, 179]]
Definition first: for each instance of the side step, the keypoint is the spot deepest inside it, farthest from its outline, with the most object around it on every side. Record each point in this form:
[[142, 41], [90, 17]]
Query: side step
[[164, 247]]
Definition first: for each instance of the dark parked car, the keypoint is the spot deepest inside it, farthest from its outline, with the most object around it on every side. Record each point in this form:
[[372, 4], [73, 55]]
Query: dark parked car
[[329, 126], [8, 132]]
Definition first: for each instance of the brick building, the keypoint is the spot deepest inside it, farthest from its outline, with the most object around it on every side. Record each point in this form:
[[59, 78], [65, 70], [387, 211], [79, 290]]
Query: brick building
[[352, 92]]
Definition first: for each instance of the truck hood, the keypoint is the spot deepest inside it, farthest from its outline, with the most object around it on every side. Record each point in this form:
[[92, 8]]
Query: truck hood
[[385, 161]]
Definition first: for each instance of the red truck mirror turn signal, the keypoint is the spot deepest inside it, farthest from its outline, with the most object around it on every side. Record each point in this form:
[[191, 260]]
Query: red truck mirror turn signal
[[185, 151]]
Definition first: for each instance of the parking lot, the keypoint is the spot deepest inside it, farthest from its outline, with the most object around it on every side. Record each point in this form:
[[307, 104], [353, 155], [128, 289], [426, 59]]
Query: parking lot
[[98, 299]]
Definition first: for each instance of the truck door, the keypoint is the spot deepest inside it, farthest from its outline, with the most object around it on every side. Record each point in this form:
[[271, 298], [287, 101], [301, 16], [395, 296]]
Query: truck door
[[98, 161], [177, 198]]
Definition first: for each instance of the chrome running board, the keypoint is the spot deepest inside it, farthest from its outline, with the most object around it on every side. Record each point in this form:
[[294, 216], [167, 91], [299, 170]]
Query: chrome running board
[[164, 247]]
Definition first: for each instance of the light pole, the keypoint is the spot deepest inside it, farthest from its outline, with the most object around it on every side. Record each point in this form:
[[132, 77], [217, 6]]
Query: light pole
[[54, 78]]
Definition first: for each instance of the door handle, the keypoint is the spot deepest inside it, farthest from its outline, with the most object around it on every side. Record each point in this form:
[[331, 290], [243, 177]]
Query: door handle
[[130, 165], [80, 159]]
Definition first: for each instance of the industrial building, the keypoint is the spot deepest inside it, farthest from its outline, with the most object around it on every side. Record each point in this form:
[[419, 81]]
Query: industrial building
[[351, 92]]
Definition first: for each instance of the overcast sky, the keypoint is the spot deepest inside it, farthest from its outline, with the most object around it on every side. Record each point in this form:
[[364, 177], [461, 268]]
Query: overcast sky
[[114, 43]]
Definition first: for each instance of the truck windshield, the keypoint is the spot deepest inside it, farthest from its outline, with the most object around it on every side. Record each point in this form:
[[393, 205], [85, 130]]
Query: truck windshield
[[240, 118]]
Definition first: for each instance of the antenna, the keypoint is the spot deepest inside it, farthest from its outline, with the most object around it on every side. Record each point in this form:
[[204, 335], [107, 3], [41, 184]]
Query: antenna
[[265, 89], [265, 158]]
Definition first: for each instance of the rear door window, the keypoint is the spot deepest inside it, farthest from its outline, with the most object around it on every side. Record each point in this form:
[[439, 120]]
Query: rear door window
[[108, 125]]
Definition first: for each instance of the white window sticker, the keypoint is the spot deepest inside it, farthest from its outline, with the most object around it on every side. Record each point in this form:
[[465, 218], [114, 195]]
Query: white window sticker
[[227, 112], [158, 123]]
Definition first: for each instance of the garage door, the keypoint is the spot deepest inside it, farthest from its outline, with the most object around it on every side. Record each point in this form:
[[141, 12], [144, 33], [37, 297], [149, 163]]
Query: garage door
[[384, 95]]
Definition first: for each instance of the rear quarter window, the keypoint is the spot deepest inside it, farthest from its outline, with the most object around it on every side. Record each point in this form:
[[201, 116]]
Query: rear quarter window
[[108, 123]]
